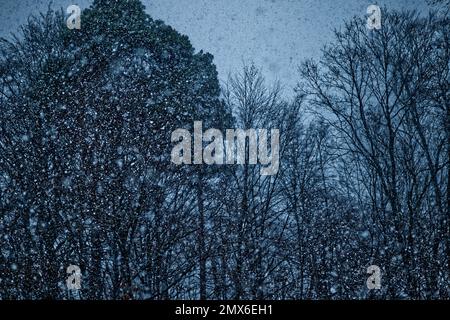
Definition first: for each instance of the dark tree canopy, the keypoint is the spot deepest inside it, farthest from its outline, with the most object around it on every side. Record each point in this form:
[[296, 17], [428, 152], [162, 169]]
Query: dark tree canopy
[[86, 177]]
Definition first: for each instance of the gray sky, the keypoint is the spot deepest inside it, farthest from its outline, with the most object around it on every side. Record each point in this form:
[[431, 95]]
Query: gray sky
[[276, 34]]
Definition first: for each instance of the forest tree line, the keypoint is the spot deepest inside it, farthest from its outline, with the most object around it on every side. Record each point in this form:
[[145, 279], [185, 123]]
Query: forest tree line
[[86, 177]]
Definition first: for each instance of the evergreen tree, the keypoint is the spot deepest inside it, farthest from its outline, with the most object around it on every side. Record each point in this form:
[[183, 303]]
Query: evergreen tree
[[86, 122]]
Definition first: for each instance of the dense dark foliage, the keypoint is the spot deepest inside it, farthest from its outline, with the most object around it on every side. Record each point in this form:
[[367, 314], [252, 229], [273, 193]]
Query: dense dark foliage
[[86, 178]]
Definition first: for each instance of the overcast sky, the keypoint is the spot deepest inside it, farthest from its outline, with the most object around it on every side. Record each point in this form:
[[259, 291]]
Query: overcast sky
[[275, 34]]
